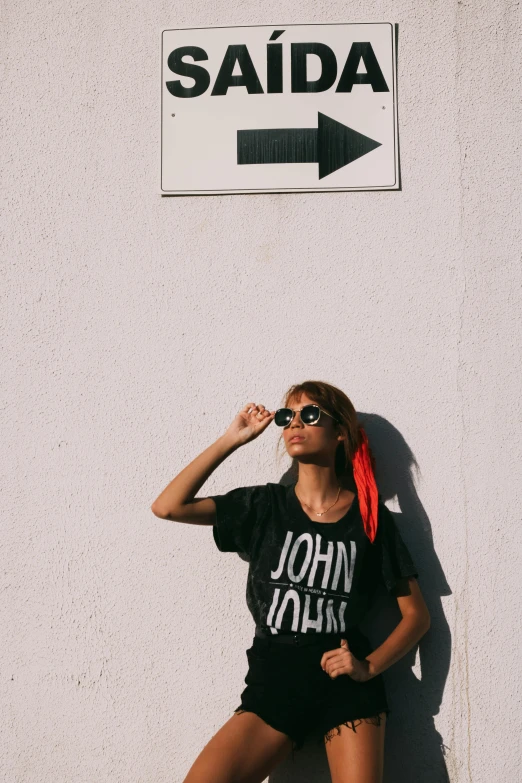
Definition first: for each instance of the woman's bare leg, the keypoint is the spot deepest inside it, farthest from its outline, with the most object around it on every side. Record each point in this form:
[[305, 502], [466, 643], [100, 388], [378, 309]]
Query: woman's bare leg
[[244, 750], [357, 756]]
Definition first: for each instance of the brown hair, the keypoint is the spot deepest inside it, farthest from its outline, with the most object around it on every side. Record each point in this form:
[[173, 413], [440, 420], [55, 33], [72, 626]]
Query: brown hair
[[353, 458]]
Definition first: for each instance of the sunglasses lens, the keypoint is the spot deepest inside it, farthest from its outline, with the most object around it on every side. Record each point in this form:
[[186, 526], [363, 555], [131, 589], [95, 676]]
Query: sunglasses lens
[[310, 414], [283, 417]]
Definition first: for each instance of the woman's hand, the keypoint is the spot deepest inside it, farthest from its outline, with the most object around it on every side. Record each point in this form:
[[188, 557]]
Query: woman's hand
[[249, 423], [341, 661]]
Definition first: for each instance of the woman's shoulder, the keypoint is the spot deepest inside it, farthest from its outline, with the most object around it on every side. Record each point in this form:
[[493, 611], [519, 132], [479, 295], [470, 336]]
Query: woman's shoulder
[[279, 495], [276, 490]]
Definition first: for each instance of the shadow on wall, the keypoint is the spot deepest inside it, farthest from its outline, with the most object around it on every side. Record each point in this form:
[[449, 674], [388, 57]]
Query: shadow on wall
[[415, 684]]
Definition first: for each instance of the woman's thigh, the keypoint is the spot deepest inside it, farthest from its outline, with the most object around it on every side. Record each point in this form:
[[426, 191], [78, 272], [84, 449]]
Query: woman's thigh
[[244, 750], [357, 756]]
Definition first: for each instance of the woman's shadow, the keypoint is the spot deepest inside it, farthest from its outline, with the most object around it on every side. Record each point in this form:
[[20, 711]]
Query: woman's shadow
[[414, 750]]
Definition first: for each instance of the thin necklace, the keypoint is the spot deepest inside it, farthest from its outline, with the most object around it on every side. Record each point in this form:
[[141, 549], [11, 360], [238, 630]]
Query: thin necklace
[[319, 513]]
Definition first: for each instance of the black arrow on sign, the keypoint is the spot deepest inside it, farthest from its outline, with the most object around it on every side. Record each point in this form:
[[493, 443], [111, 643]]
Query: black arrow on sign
[[332, 145]]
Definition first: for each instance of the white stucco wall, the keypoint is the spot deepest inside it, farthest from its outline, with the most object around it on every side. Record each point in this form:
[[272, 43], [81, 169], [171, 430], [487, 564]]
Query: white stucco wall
[[136, 326]]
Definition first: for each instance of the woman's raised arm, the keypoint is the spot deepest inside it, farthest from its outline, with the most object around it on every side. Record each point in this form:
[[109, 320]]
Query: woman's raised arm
[[177, 502]]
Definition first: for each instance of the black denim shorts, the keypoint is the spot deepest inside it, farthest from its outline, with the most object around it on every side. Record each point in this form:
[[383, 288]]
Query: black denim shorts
[[288, 689]]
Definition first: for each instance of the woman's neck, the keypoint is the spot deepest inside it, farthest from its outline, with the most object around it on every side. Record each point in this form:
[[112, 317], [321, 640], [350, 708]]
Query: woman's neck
[[317, 485]]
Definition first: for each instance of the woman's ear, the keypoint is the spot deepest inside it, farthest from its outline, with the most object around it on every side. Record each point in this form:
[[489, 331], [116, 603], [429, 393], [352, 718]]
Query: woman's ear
[[341, 433]]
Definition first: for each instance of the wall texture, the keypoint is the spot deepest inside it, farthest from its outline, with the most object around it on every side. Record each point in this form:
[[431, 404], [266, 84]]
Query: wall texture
[[136, 326]]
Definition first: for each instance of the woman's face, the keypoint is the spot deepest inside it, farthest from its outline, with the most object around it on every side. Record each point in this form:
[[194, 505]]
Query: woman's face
[[304, 441]]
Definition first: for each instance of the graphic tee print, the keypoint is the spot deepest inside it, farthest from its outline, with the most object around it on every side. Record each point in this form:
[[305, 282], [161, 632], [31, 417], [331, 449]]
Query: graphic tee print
[[306, 576]]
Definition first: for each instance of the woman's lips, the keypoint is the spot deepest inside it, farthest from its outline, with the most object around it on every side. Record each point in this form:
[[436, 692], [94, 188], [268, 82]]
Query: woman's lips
[[296, 438]]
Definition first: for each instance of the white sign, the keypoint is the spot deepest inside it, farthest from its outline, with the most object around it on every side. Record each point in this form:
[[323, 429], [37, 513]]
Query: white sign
[[278, 108]]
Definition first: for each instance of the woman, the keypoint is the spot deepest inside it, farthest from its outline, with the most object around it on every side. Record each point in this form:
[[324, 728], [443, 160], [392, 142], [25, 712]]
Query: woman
[[317, 553]]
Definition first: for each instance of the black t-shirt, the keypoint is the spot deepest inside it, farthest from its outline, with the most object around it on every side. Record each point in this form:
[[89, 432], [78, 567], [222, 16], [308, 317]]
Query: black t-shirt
[[307, 576]]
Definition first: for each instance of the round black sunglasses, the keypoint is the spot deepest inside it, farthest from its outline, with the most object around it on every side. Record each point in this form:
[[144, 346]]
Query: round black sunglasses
[[310, 414]]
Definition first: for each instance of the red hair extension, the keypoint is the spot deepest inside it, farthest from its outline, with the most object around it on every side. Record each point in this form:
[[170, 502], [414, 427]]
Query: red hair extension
[[363, 473]]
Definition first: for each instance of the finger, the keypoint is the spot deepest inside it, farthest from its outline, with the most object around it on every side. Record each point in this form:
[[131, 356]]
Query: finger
[[332, 666], [247, 407], [331, 656], [326, 657], [344, 644], [343, 659], [341, 667], [262, 414], [263, 423], [337, 672]]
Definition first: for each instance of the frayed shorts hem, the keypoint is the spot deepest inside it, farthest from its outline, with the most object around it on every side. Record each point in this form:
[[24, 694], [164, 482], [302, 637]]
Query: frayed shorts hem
[[375, 719], [323, 735]]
